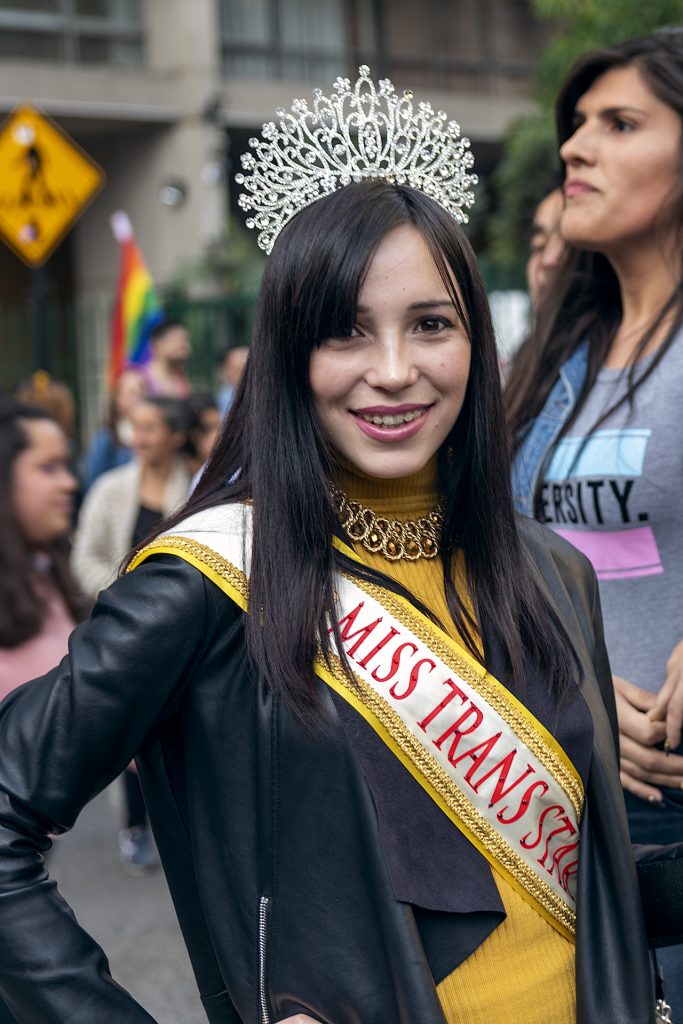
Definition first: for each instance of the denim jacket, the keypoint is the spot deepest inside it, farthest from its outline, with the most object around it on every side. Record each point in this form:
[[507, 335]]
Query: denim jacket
[[540, 435]]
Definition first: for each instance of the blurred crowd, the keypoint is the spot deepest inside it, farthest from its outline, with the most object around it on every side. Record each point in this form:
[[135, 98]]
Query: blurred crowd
[[68, 517]]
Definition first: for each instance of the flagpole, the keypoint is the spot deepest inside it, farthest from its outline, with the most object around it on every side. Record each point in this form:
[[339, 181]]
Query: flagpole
[[42, 355]]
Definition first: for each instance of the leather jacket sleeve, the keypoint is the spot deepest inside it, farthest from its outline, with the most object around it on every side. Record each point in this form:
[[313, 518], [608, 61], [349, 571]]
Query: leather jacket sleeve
[[600, 659], [63, 738]]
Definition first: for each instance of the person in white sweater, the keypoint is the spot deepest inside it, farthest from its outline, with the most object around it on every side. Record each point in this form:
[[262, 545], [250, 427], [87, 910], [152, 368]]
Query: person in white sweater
[[121, 509], [126, 503]]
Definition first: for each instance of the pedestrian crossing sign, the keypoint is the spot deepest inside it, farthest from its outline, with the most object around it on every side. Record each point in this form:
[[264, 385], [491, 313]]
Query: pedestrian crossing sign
[[46, 181]]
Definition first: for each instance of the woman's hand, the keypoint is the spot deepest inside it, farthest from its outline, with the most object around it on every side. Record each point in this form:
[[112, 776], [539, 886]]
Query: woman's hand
[[668, 707], [644, 769]]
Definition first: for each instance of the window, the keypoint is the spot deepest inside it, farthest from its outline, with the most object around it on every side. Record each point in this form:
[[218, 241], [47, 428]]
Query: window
[[73, 31], [443, 44], [114, 11], [467, 45], [294, 39]]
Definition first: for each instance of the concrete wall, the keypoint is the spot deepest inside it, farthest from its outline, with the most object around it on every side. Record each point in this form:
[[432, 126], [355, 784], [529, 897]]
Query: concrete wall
[[137, 163], [148, 125], [144, 126], [183, 54]]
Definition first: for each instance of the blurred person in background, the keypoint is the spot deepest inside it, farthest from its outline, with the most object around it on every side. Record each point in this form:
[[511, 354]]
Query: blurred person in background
[[120, 510], [546, 250], [57, 400], [546, 245], [53, 396], [595, 395], [204, 429], [230, 374], [40, 602], [126, 503], [166, 372], [110, 446]]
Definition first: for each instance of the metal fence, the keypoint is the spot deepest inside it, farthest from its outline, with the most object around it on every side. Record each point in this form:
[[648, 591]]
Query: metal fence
[[71, 341]]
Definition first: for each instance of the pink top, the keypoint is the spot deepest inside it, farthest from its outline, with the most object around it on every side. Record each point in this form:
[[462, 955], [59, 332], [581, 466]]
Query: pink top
[[176, 386], [42, 652]]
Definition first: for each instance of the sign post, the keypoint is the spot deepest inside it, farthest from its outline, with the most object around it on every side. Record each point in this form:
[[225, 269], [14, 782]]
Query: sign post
[[46, 182]]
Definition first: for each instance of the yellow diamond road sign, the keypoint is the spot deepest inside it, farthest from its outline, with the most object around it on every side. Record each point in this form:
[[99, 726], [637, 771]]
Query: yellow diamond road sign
[[46, 181]]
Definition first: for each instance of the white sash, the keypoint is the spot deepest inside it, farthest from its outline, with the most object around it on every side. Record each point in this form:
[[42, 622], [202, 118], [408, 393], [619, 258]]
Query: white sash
[[491, 767]]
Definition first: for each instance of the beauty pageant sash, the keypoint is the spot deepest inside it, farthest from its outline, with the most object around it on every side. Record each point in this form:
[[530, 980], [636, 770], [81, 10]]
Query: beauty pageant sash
[[491, 767]]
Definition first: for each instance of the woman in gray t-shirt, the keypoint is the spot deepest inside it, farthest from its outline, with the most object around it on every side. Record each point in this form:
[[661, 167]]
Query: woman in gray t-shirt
[[594, 399]]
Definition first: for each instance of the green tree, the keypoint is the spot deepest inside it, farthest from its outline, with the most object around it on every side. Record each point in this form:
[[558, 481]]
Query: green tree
[[529, 148]]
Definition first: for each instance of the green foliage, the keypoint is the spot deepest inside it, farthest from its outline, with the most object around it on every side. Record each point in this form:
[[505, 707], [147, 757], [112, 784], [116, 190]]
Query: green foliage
[[520, 179], [587, 24], [529, 148]]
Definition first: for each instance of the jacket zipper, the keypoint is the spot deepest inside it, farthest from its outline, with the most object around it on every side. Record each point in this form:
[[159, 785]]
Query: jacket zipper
[[264, 908]]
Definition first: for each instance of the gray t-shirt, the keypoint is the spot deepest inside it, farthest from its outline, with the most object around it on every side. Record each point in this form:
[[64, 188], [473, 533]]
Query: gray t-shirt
[[618, 497]]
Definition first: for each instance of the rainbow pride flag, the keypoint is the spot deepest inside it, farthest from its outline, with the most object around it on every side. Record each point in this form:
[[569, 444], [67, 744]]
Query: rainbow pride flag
[[137, 308]]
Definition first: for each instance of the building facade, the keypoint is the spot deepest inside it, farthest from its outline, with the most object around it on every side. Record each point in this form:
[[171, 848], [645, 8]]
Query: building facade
[[164, 95]]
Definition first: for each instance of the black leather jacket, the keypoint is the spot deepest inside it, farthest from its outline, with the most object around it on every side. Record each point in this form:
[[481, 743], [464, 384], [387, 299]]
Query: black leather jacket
[[268, 833]]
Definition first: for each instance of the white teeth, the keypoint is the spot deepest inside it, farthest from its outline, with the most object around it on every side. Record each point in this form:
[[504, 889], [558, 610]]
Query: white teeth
[[396, 420]]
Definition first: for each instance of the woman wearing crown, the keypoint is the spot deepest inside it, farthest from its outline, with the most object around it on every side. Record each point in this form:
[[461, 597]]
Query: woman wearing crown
[[373, 715]]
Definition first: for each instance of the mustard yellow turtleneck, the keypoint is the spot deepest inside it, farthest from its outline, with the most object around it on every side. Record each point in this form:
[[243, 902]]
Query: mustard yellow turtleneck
[[523, 973]]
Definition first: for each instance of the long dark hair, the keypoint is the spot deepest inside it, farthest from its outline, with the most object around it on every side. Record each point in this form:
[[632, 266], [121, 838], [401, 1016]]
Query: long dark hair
[[585, 300], [274, 450], [22, 607]]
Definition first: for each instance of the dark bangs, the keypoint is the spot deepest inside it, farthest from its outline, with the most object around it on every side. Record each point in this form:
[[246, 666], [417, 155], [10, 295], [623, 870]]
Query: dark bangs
[[322, 257]]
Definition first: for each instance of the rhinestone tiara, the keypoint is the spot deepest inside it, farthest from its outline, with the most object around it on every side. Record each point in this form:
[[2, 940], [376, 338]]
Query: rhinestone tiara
[[366, 131]]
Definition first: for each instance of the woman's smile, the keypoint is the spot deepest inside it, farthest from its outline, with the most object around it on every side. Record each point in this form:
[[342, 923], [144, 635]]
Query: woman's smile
[[389, 424]]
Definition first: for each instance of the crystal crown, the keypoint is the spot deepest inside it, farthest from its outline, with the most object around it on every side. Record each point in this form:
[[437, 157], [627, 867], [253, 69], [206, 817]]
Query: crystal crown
[[366, 131]]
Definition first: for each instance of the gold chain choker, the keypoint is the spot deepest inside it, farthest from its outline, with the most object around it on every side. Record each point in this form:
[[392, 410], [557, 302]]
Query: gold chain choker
[[410, 539]]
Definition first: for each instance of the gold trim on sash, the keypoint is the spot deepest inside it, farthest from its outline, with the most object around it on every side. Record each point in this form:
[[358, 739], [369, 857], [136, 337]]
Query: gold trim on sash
[[229, 578], [454, 804], [407, 747], [532, 732]]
